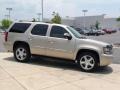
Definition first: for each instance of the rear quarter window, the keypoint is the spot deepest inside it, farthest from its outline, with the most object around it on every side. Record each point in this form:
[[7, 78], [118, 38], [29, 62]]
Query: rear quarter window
[[19, 27]]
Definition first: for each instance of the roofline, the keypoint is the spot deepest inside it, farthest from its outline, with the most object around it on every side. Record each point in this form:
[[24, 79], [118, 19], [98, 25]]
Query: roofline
[[43, 23]]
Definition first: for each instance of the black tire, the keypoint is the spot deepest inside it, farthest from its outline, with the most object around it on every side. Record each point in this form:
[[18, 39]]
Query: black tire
[[26, 50], [95, 59]]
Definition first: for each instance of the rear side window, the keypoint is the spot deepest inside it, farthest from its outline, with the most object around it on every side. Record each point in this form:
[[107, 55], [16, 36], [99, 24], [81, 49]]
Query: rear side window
[[40, 29], [20, 27]]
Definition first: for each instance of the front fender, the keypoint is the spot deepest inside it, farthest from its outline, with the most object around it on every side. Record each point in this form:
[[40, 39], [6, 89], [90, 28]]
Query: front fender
[[87, 47]]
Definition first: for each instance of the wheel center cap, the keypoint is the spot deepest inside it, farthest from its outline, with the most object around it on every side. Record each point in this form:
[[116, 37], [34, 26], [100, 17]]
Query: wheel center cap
[[21, 53]]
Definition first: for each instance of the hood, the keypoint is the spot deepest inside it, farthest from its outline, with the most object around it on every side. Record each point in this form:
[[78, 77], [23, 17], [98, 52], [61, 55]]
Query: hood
[[97, 42], [93, 42]]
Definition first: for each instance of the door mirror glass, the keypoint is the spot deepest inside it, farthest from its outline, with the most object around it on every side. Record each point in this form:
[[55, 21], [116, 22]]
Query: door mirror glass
[[68, 36]]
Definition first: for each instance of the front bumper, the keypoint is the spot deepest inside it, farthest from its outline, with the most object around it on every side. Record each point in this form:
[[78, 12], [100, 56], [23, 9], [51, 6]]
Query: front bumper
[[105, 59]]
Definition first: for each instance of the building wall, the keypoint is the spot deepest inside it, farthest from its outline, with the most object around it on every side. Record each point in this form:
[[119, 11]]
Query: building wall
[[78, 22], [69, 22], [110, 23], [88, 21]]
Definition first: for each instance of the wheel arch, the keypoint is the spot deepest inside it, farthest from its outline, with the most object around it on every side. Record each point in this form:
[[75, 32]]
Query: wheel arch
[[16, 43], [88, 50]]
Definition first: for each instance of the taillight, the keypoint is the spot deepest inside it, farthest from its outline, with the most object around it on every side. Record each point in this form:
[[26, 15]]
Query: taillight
[[6, 36]]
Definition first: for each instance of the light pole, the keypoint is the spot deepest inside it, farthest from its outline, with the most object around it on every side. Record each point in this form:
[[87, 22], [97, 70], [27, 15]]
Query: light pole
[[9, 11], [42, 9], [84, 12], [39, 15]]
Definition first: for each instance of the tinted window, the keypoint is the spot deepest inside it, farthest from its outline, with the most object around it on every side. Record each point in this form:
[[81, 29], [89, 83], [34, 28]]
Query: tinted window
[[74, 32], [58, 32], [40, 29], [19, 27]]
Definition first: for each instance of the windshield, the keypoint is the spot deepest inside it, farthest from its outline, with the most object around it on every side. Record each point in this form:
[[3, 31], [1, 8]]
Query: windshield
[[75, 33]]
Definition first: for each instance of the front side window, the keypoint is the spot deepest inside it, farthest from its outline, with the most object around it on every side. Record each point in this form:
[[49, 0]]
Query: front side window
[[40, 29], [74, 32], [57, 32], [20, 27]]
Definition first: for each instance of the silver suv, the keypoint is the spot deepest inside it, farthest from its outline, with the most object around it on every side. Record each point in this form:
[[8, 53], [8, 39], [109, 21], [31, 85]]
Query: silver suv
[[25, 39]]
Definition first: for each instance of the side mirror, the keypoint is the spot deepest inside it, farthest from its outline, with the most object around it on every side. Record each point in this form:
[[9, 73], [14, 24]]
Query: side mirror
[[68, 36]]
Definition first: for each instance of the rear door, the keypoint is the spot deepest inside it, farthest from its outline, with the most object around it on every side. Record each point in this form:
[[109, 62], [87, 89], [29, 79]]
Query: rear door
[[38, 39]]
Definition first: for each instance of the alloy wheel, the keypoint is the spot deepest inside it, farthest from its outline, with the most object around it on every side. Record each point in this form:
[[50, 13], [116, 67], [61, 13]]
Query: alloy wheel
[[87, 62], [21, 54]]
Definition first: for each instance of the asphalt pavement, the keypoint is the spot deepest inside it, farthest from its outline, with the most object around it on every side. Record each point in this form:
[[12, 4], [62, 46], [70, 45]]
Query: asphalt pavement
[[48, 74], [44, 74]]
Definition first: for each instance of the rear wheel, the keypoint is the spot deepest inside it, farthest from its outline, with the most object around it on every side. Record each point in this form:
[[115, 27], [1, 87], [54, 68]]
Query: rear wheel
[[87, 61], [22, 53]]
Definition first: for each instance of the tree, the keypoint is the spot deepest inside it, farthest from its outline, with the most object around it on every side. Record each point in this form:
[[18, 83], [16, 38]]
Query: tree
[[56, 18], [34, 20], [6, 23], [97, 25], [118, 19]]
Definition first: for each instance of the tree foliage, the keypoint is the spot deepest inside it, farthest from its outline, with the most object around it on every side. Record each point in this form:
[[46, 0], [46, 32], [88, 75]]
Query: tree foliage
[[118, 19], [6, 23], [34, 20], [97, 25], [56, 18]]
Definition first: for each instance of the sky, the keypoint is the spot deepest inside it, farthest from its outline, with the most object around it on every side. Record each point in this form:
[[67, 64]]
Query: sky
[[27, 9]]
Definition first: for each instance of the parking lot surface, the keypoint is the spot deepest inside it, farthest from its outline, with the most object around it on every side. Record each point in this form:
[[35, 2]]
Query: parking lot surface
[[46, 74], [109, 38], [49, 74]]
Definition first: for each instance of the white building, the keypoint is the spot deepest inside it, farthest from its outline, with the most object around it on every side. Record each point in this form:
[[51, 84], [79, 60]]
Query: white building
[[68, 21], [90, 21], [110, 23]]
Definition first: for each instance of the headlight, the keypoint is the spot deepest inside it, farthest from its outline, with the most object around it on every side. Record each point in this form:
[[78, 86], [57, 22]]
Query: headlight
[[108, 49]]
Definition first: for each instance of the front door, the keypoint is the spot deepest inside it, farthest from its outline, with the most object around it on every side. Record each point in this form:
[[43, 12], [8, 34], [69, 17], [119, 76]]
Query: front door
[[58, 45]]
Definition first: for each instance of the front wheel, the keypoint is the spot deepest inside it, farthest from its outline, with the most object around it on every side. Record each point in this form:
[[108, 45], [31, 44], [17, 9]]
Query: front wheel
[[87, 61], [22, 53]]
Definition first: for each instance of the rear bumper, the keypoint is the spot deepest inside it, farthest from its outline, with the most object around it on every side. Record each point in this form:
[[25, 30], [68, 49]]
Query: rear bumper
[[106, 59]]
